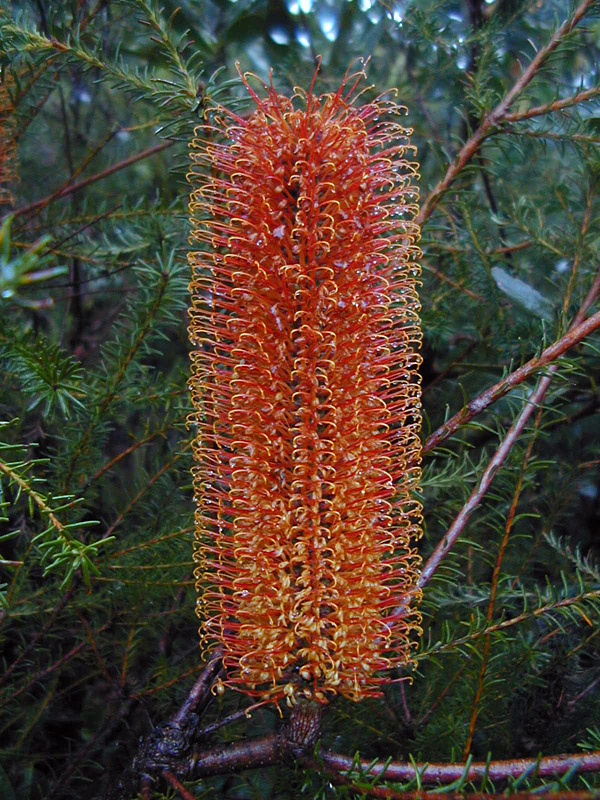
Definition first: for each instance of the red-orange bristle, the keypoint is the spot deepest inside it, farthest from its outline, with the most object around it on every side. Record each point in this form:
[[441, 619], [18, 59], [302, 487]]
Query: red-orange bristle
[[306, 393]]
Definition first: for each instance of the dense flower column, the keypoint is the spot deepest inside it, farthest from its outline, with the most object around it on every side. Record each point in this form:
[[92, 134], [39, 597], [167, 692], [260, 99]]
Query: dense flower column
[[306, 393]]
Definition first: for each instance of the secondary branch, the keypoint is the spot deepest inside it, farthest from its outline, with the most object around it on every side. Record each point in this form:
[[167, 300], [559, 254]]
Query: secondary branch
[[498, 114]]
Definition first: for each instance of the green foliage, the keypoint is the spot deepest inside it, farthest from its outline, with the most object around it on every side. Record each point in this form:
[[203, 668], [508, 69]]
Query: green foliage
[[57, 548], [47, 374], [97, 628], [22, 270]]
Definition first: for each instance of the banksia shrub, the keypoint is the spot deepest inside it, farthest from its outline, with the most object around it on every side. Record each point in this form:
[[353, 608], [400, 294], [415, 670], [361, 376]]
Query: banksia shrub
[[305, 390]]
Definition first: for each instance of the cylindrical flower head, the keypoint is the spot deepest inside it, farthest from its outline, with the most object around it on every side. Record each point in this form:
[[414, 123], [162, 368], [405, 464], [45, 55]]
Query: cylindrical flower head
[[306, 393]]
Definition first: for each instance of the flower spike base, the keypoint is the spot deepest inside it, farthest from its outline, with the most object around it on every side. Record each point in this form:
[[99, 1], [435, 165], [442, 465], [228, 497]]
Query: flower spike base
[[305, 389]]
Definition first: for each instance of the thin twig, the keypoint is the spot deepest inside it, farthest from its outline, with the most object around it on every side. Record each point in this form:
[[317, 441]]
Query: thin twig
[[455, 644], [499, 389], [147, 486], [533, 401], [494, 588], [557, 105], [55, 245], [499, 457], [108, 398], [126, 162], [221, 723], [49, 670], [170, 778], [43, 631], [122, 454], [498, 114], [199, 691], [453, 283]]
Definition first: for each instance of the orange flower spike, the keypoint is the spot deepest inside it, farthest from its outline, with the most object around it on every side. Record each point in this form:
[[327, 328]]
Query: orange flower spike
[[306, 392]]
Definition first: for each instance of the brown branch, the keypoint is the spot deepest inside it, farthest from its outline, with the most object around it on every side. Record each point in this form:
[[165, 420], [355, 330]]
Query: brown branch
[[548, 767], [169, 744], [442, 694], [489, 396], [566, 136], [575, 268], [199, 691], [508, 623], [56, 245], [455, 284], [108, 398], [145, 488], [35, 109], [149, 542], [589, 299], [122, 455], [93, 178], [178, 678], [275, 748], [451, 248], [511, 248], [123, 678], [557, 105], [43, 630], [297, 736], [99, 660], [183, 792], [384, 791], [533, 401], [173, 746], [498, 114], [265, 751], [49, 670], [499, 457], [494, 588], [221, 723]]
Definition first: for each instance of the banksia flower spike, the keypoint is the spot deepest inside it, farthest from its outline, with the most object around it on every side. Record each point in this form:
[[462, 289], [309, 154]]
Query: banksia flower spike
[[305, 390]]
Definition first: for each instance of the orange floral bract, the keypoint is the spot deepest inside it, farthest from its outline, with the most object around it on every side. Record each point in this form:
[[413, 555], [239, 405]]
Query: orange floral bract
[[305, 389]]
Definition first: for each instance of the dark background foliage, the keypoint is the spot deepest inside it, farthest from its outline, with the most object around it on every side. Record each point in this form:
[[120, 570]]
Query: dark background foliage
[[98, 633]]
